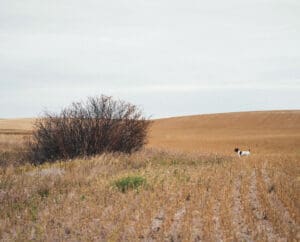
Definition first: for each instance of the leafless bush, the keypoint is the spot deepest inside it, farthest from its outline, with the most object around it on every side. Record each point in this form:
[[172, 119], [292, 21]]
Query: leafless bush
[[101, 124]]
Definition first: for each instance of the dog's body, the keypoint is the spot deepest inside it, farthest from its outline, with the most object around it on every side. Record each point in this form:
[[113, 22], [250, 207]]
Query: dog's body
[[242, 152]]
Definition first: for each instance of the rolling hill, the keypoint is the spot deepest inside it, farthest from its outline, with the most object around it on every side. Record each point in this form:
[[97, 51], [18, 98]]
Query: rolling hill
[[262, 132], [187, 196]]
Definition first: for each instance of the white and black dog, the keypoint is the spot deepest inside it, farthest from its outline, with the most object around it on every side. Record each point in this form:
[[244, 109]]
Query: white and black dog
[[242, 152]]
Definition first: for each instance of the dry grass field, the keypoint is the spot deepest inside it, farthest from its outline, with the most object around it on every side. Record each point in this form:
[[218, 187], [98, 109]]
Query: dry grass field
[[263, 132], [196, 188]]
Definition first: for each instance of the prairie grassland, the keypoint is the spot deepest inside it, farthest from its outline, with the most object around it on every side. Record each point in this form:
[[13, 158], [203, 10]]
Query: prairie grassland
[[186, 198], [11, 147], [19, 125], [265, 132], [269, 132], [206, 194], [13, 134]]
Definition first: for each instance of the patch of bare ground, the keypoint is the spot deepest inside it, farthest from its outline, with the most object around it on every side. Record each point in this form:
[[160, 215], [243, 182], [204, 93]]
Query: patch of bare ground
[[217, 228], [240, 227], [175, 230], [264, 227], [154, 216], [118, 221], [197, 227], [173, 216], [155, 227], [53, 171], [160, 210], [144, 216], [197, 217], [129, 226], [287, 223], [249, 219], [222, 183]]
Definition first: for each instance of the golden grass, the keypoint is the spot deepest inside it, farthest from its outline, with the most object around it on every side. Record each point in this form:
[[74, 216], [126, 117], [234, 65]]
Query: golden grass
[[77, 200], [262, 132], [207, 194], [17, 126]]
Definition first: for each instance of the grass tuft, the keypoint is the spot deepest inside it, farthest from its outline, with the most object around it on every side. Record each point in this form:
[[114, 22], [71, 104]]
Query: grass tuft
[[44, 192], [129, 182]]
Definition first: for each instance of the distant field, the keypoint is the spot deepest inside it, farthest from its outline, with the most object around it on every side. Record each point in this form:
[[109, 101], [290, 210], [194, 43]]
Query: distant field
[[262, 132], [196, 188], [16, 125]]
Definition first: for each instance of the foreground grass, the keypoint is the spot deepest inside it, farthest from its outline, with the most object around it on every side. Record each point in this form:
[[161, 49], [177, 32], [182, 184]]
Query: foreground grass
[[186, 197], [130, 182]]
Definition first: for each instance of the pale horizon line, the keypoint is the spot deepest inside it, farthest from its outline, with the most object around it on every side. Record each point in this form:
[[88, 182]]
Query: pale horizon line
[[187, 115]]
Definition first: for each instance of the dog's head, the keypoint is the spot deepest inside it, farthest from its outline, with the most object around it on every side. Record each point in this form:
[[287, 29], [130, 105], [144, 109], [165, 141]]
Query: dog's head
[[236, 150]]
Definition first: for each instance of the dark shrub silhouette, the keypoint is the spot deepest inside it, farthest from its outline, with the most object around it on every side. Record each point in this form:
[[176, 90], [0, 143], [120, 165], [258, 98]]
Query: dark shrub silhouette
[[101, 124]]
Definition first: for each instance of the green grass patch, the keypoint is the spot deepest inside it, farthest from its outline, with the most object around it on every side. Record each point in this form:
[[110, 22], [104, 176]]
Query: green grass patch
[[43, 192], [129, 182]]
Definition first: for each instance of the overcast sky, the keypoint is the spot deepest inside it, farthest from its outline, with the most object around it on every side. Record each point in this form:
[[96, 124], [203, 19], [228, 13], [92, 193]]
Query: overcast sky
[[170, 57]]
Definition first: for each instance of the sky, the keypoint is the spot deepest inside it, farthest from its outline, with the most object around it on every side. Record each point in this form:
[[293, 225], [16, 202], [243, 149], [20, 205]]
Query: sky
[[169, 57]]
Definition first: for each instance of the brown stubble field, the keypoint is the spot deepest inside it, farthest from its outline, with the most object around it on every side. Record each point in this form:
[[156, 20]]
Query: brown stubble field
[[197, 189], [263, 132]]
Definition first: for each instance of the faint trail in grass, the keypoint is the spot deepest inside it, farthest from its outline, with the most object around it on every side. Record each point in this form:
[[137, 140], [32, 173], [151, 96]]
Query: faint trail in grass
[[117, 229], [129, 231], [133, 216], [174, 233], [197, 233], [112, 225], [240, 227], [155, 227], [218, 232], [106, 227], [290, 226], [197, 227], [263, 226]]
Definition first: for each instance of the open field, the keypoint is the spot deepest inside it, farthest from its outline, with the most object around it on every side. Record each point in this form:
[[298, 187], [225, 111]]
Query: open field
[[263, 132], [16, 126], [196, 188]]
